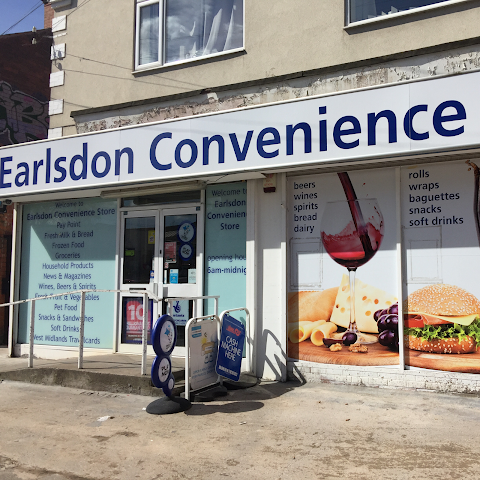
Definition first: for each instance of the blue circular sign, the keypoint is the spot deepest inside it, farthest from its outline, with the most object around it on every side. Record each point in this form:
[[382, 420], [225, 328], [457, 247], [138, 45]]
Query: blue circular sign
[[186, 251], [168, 387], [164, 335], [186, 231], [161, 371]]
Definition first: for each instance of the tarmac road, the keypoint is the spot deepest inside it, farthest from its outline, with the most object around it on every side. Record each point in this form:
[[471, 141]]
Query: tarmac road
[[271, 431]]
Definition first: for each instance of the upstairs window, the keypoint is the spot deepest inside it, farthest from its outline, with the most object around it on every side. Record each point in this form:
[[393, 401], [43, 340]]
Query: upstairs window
[[366, 9], [175, 31]]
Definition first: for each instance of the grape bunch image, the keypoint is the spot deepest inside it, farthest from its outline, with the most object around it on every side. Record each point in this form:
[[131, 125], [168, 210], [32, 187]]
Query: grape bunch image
[[387, 323]]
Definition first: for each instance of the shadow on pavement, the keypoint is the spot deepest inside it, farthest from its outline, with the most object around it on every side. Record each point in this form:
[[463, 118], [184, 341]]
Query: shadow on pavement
[[233, 407], [244, 400]]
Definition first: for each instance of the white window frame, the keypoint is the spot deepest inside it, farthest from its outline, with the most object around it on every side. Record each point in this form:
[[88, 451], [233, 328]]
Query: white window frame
[[382, 18], [161, 40]]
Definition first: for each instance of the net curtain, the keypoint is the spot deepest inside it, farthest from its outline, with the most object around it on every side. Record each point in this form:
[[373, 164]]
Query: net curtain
[[196, 28]]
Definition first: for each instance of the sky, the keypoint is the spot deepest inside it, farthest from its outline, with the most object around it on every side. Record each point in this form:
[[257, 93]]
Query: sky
[[11, 11]]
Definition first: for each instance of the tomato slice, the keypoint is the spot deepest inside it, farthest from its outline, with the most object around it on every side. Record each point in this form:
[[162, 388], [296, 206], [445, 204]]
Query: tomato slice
[[419, 321], [414, 322]]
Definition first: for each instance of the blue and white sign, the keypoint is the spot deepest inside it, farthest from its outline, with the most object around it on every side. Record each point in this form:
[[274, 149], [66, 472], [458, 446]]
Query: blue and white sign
[[164, 335], [186, 231], [174, 275], [164, 339], [68, 246], [225, 245], [180, 312], [230, 351], [186, 251], [203, 341], [409, 118]]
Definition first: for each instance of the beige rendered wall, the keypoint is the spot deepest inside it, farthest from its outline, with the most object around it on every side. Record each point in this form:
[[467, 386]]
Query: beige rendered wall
[[281, 37]]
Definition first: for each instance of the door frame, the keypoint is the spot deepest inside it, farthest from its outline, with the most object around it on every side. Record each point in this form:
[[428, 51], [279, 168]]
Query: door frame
[[159, 212]]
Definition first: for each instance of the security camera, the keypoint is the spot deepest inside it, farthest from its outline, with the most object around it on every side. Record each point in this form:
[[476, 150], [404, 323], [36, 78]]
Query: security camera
[[7, 201]]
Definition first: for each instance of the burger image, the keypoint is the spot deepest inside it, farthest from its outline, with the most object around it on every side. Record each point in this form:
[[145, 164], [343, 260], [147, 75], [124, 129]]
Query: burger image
[[442, 319]]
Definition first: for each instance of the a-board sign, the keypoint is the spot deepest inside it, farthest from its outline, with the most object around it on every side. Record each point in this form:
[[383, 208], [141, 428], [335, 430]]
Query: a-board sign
[[203, 340], [230, 351]]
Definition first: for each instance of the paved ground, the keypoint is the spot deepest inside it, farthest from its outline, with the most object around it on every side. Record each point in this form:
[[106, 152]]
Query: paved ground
[[117, 373], [271, 431]]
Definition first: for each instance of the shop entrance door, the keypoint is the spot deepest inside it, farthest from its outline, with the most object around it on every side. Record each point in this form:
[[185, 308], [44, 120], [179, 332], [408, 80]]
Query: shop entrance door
[[161, 251]]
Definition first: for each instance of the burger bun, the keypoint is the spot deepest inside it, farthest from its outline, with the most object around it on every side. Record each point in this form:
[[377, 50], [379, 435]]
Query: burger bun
[[444, 345], [442, 299]]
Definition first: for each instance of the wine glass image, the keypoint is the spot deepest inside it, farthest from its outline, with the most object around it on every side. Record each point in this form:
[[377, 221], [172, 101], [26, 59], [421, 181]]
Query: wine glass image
[[352, 231]]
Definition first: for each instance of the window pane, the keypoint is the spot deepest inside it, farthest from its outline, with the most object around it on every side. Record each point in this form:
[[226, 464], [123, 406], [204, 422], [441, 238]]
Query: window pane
[[149, 31], [139, 249], [195, 28], [162, 198], [364, 9], [180, 249]]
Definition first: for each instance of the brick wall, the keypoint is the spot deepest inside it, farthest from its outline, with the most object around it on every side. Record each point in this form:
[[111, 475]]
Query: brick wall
[[24, 93], [48, 15], [26, 67], [385, 377]]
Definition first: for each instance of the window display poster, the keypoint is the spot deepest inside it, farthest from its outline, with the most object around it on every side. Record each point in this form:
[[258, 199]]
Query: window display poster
[[132, 320], [441, 240], [170, 252], [340, 225], [225, 246], [68, 245]]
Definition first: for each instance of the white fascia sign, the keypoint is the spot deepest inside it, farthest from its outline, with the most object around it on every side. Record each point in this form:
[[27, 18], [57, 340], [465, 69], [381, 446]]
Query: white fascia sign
[[417, 117]]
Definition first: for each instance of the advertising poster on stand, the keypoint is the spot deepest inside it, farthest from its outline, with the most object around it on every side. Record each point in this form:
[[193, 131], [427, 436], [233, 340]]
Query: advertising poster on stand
[[441, 239], [342, 232]]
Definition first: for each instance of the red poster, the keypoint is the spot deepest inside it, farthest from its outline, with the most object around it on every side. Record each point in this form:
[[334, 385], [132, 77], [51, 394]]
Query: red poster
[[133, 320], [171, 252]]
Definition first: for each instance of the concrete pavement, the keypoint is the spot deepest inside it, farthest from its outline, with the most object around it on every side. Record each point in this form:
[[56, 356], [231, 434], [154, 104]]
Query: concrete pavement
[[271, 431], [117, 373]]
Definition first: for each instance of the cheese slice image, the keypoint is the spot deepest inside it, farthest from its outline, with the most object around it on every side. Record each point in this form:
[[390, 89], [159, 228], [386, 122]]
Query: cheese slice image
[[368, 300], [303, 330]]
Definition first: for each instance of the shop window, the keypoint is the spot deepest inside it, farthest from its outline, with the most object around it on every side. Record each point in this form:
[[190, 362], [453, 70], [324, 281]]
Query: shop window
[[169, 31], [367, 9]]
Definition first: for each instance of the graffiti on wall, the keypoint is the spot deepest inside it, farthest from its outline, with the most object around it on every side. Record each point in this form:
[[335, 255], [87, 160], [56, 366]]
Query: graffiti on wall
[[23, 118]]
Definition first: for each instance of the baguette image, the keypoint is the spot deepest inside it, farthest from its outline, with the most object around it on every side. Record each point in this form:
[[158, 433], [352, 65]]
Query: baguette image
[[321, 332], [311, 306], [302, 331]]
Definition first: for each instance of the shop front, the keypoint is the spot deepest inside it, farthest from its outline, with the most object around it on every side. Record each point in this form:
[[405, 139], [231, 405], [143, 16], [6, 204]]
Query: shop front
[[363, 253]]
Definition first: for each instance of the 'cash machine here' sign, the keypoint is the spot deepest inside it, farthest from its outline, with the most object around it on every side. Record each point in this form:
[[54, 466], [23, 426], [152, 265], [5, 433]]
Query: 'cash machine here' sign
[[229, 359]]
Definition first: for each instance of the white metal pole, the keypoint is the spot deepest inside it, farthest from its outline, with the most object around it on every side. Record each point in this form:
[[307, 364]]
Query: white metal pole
[[32, 334], [81, 330], [216, 306], [144, 334], [187, 358], [401, 346], [14, 280]]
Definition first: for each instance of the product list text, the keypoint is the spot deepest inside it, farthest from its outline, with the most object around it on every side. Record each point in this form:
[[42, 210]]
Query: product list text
[[428, 199]]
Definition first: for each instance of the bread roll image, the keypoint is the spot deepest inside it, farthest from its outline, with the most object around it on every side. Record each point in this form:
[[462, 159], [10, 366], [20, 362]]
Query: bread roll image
[[303, 330], [321, 332], [310, 306]]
